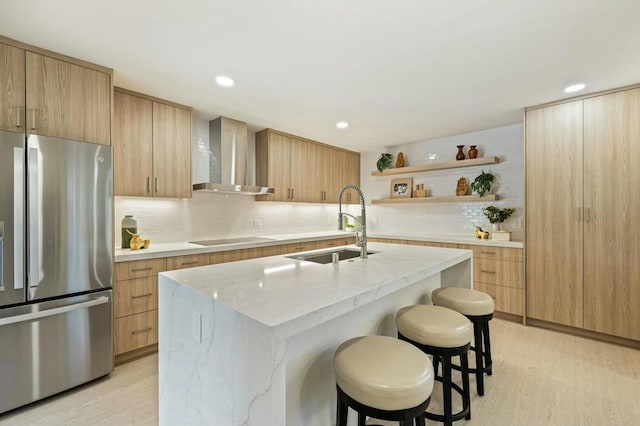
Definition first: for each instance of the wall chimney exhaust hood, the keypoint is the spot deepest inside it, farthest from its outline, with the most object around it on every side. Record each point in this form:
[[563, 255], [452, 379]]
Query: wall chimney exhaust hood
[[230, 163]]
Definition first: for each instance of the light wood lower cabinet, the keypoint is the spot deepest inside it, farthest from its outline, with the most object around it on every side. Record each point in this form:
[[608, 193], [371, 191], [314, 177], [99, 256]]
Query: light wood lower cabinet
[[135, 331], [191, 261], [497, 271], [135, 306]]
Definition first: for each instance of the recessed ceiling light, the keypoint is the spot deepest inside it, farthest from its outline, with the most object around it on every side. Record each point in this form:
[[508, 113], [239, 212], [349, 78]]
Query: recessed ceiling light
[[342, 124], [224, 81], [574, 88]]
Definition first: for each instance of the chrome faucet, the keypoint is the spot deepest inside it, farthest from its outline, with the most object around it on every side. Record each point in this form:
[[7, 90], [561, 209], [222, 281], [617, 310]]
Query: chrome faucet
[[361, 241]]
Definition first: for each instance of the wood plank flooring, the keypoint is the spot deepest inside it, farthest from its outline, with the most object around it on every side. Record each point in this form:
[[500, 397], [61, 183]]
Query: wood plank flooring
[[541, 377]]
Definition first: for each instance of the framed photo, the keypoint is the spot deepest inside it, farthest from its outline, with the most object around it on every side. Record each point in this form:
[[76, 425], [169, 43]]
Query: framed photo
[[401, 188]]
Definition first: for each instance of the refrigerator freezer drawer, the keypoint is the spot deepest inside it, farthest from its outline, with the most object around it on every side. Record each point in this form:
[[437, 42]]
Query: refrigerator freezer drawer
[[53, 346]]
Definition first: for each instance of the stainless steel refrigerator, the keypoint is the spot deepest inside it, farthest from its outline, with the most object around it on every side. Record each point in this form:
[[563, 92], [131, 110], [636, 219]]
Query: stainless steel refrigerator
[[55, 266]]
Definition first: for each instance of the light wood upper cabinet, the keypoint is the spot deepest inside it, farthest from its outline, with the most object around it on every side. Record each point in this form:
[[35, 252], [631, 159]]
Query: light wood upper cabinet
[[611, 206], [554, 200], [12, 81], [171, 151], [300, 170], [67, 101], [132, 145], [152, 147]]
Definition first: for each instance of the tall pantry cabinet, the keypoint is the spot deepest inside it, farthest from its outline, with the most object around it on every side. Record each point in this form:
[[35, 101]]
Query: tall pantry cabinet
[[583, 199]]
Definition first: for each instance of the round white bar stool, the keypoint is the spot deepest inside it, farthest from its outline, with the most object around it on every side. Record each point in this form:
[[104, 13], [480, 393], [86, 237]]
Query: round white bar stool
[[444, 334], [384, 378], [478, 307]]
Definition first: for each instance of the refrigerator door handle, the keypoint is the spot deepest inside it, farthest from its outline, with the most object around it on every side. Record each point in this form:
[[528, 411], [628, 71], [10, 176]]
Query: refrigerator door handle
[[55, 311], [34, 210], [18, 218]]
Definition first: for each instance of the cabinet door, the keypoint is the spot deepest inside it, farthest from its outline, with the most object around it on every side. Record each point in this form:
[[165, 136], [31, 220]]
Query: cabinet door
[[11, 88], [171, 151], [132, 145], [300, 181], [67, 101], [316, 173], [553, 198], [278, 172], [351, 174], [612, 202]]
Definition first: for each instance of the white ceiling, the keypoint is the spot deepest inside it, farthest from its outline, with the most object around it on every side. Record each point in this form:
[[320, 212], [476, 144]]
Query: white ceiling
[[397, 71]]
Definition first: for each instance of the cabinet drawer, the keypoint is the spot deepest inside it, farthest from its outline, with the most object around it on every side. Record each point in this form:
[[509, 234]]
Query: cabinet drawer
[[507, 299], [498, 253], [498, 272], [139, 269], [135, 296], [305, 246], [135, 331], [345, 241], [191, 261]]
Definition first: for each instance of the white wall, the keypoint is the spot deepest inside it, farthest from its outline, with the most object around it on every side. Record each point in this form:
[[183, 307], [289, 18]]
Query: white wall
[[506, 143]]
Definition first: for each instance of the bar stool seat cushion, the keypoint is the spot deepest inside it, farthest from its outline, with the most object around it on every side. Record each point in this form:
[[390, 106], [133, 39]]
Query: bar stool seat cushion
[[463, 300], [383, 372], [434, 326]]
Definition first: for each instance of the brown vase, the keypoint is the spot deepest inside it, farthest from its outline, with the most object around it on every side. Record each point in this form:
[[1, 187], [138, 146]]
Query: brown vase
[[473, 151], [460, 154]]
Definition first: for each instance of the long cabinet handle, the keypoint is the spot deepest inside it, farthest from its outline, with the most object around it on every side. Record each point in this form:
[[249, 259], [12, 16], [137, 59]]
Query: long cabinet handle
[[142, 295], [189, 263], [148, 184], [144, 330], [33, 118], [488, 252], [587, 214], [487, 272], [18, 218], [292, 193], [33, 219], [142, 269], [156, 184], [55, 311]]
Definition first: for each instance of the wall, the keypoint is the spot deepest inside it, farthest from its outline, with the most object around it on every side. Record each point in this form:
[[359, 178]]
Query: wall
[[456, 218], [209, 215]]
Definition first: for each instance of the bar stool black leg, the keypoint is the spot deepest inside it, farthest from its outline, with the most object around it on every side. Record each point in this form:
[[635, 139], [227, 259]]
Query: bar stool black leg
[[420, 421], [477, 337], [464, 362], [342, 411], [446, 390], [362, 419], [487, 348], [436, 363]]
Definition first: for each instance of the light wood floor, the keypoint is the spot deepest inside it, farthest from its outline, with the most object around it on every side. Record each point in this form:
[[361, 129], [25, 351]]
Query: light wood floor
[[540, 378]]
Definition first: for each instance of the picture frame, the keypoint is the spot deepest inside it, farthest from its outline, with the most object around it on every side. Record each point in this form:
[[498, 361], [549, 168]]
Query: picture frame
[[401, 188]]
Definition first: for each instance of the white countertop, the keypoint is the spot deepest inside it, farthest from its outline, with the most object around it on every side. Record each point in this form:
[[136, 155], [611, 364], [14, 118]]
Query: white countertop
[[292, 295], [160, 250]]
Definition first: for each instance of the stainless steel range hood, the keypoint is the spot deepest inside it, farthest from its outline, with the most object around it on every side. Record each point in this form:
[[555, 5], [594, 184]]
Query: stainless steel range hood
[[230, 161]]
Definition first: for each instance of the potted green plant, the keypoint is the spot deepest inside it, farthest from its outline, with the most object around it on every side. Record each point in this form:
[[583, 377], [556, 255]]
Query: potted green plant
[[384, 162], [482, 183], [497, 215]]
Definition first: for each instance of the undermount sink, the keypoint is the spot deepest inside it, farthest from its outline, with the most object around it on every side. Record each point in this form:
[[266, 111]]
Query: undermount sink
[[327, 256], [223, 241]]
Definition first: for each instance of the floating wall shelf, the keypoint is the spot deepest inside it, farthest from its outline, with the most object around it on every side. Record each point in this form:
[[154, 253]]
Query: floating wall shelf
[[446, 199], [437, 166]]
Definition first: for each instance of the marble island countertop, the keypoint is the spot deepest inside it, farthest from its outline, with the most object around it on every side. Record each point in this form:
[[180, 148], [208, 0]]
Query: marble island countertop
[[159, 250], [291, 294], [252, 342]]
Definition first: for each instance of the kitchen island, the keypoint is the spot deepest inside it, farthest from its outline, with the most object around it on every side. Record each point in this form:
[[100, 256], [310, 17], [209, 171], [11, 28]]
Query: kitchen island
[[252, 342]]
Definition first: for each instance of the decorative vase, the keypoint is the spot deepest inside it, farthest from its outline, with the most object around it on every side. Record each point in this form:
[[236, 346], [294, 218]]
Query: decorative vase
[[495, 227], [473, 151], [400, 160], [129, 227], [460, 154]]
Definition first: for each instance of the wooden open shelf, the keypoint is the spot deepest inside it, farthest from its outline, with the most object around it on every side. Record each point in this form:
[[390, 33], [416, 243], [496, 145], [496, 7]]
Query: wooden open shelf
[[445, 199], [437, 166]]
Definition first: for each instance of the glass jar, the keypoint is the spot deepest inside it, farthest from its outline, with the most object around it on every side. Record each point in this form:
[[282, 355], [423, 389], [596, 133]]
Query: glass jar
[[129, 226]]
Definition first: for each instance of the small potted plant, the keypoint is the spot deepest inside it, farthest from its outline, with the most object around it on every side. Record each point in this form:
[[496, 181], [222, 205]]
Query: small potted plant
[[482, 183], [384, 161], [496, 215]]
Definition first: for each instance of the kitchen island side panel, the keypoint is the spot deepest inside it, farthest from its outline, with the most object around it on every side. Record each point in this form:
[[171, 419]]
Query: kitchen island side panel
[[236, 374]]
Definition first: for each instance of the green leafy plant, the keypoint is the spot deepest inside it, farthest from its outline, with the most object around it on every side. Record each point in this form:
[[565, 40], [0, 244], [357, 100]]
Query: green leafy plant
[[384, 162], [497, 215], [482, 183]]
